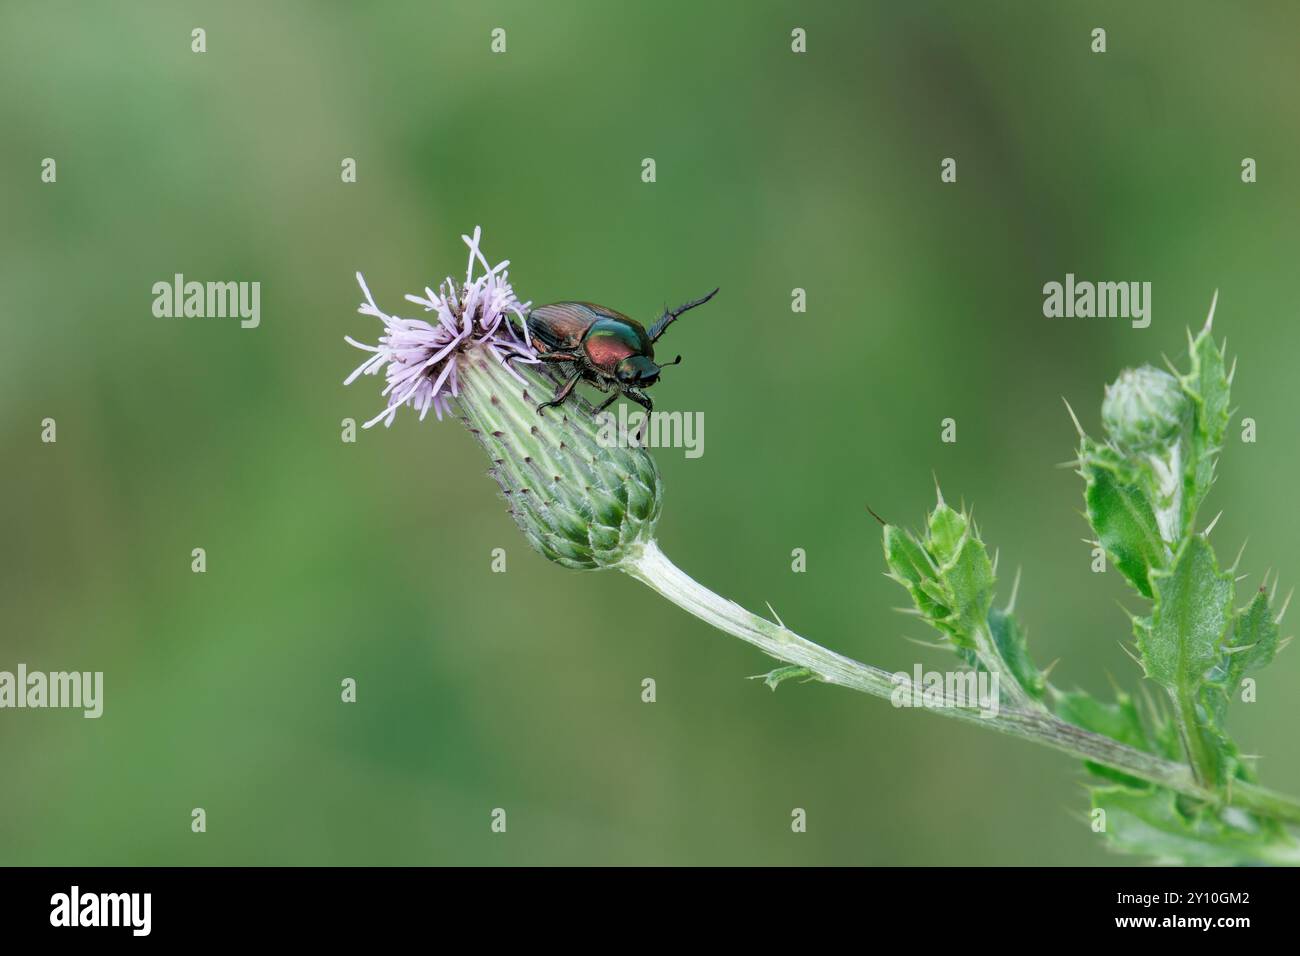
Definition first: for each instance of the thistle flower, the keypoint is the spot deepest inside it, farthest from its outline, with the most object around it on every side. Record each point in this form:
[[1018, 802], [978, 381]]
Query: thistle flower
[[578, 501], [424, 361]]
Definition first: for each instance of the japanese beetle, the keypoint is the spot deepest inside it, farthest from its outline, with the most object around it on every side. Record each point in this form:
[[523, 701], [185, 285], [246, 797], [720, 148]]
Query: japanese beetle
[[606, 348]]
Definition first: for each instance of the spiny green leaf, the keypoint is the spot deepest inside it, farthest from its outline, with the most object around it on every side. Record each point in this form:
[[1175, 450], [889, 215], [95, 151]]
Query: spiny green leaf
[[911, 566], [1013, 648], [1251, 643], [948, 574], [964, 570], [1122, 515], [1226, 755], [950, 578], [1254, 639], [947, 530], [1206, 384], [1150, 822], [1193, 607], [1182, 641]]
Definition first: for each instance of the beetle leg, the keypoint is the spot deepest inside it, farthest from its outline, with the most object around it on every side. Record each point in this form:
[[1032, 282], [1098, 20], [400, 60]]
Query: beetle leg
[[640, 398], [608, 402], [562, 394]]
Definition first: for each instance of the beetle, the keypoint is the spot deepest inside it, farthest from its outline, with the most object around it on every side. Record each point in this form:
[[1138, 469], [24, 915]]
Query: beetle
[[606, 348]]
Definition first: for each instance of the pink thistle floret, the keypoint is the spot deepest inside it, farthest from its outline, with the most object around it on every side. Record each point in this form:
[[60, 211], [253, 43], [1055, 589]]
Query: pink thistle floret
[[423, 360]]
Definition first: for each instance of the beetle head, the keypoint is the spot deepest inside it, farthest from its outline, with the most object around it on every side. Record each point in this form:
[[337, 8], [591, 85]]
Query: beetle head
[[637, 370]]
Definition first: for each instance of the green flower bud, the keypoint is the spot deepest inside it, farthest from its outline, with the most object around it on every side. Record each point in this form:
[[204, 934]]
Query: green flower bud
[[580, 502], [1144, 409]]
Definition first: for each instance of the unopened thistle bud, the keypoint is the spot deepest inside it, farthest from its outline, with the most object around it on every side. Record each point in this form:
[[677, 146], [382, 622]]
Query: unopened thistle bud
[[580, 502], [1144, 410]]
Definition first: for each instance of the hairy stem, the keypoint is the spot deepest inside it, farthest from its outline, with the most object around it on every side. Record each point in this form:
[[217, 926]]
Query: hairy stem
[[653, 568], [1199, 755]]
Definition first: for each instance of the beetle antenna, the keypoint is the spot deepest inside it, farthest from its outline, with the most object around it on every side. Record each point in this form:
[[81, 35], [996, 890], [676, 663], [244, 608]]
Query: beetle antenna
[[670, 316], [676, 361]]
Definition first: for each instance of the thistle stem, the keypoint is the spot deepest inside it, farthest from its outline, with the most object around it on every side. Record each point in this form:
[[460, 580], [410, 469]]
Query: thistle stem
[[1189, 731], [652, 567]]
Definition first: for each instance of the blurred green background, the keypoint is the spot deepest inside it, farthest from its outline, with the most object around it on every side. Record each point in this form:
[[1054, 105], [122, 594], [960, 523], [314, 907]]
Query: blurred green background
[[372, 560]]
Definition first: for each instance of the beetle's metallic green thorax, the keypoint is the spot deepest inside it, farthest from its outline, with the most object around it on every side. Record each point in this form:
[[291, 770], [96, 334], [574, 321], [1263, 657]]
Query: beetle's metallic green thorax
[[606, 348], [609, 341]]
